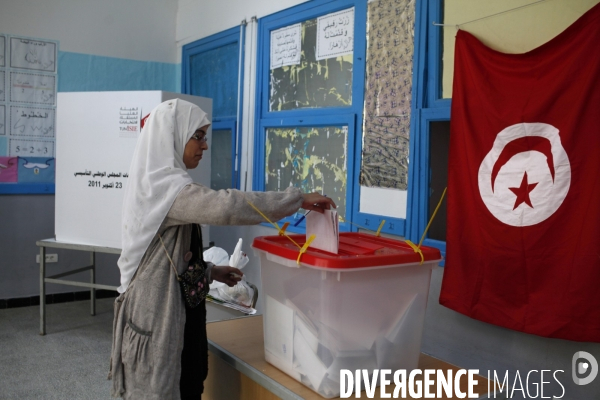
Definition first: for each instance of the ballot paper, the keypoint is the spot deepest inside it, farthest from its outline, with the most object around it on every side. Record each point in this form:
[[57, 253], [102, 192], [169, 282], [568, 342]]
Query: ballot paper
[[279, 332], [325, 227], [309, 363], [395, 349]]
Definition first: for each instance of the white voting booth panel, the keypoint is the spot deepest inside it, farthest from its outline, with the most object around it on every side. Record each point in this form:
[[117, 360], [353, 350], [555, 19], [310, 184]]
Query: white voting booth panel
[[95, 139]]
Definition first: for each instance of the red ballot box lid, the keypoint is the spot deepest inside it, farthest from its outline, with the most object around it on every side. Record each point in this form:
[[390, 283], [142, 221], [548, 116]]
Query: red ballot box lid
[[356, 250]]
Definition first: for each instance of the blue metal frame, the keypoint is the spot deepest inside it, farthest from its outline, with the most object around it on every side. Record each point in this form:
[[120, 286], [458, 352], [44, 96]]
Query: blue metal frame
[[435, 48], [298, 14], [419, 212], [330, 116], [229, 36], [217, 40], [230, 124], [428, 106], [27, 188], [399, 226]]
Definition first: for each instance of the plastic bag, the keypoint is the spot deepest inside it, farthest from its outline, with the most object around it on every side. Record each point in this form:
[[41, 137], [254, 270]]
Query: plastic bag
[[241, 293], [238, 259], [216, 255]]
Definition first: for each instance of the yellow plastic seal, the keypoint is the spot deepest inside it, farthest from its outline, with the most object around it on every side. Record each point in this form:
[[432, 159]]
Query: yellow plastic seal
[[305, 247], [283, 228], [416, 250], [379, 229]]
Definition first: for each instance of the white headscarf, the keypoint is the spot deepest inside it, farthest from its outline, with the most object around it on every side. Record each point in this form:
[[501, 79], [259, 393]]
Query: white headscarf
[[156, 176]]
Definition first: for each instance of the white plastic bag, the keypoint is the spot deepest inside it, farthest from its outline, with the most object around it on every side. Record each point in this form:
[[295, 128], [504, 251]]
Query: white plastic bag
[[216, 255], [238, 259], [241, 293]]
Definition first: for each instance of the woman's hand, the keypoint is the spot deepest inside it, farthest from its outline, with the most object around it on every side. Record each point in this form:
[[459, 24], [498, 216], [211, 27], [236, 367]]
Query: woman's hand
[[317, 202], [225, 274]]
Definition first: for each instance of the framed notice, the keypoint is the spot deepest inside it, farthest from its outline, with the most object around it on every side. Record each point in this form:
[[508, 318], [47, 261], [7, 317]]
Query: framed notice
[[286, 46], [335, 34], [32, 88], [32, 54], [31, 148], [28, 87], [32, 121]]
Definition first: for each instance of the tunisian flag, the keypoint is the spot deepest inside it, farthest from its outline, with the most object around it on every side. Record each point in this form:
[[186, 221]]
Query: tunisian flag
[[523, 239]]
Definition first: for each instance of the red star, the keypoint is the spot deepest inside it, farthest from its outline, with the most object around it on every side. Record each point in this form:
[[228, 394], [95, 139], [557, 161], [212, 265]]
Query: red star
[[523, 191]]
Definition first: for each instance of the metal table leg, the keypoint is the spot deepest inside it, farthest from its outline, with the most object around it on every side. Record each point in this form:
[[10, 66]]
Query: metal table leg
[[42, 290], [93, 281]]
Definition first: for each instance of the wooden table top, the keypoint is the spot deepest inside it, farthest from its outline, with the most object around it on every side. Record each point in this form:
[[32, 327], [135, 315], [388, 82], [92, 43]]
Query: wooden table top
[[243, 343]]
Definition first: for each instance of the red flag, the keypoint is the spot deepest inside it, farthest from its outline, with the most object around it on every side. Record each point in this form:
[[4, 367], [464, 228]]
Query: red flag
[[523, 239]]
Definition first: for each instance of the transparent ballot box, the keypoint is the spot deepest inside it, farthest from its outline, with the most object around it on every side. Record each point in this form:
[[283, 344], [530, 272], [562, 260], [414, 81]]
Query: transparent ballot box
[[362, 308]]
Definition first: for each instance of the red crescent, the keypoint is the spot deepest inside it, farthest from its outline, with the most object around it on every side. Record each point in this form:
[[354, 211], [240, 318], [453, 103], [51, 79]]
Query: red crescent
[[521, 145]]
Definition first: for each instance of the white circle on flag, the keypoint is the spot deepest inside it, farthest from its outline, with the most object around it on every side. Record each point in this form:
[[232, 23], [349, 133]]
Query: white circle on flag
[[524, 188]]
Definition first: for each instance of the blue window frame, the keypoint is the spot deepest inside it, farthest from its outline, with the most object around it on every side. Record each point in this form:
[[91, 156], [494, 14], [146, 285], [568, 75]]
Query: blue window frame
[[210, 68], [428, 107], [27, 188], [346, 117], [431, 108], [435, 42], [346, 121], [409, 226], [228, 128]]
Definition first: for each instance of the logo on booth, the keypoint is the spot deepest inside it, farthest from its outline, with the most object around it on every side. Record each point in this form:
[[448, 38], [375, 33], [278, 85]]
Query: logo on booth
[[585, 368], [526, 175]]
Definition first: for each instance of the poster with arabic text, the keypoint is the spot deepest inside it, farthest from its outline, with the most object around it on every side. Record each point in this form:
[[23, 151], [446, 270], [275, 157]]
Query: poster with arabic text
[[28, 86]]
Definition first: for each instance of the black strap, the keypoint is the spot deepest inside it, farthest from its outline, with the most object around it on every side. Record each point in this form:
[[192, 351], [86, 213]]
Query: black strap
[[196, 244]]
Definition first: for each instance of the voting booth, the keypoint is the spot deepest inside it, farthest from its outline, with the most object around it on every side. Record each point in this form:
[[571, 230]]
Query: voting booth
[[95, 139], [362, 308]]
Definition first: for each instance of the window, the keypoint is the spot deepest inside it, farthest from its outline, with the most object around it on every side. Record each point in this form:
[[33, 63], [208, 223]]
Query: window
[[310, 157], [307, 78], [432, 132], [310, 101], [211, 69], [310, 87], [223, 152]]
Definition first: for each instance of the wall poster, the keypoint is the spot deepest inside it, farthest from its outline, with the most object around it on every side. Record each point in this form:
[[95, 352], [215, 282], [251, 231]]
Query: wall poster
[[28, 85], [388, 87]]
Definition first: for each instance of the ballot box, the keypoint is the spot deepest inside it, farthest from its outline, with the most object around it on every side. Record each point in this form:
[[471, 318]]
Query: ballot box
[[362, 308]]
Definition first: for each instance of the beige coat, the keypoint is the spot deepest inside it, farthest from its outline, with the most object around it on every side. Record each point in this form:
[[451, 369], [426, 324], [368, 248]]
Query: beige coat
[[149, 318]]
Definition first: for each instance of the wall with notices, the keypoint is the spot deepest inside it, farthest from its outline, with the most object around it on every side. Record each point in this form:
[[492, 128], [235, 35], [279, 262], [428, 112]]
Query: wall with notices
[[58, 46], [90, 46]]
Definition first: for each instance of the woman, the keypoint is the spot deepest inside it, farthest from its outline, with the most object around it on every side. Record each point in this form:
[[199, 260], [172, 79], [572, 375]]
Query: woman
[[159, 344]]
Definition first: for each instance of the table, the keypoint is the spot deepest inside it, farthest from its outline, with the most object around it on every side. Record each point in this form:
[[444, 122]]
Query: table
[[239, 342], [52, 243]]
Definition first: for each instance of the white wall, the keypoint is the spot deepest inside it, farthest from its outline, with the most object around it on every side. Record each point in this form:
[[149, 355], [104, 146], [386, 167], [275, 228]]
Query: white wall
[[138, 30], [198, 19], [132, 29], [517, 31]]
